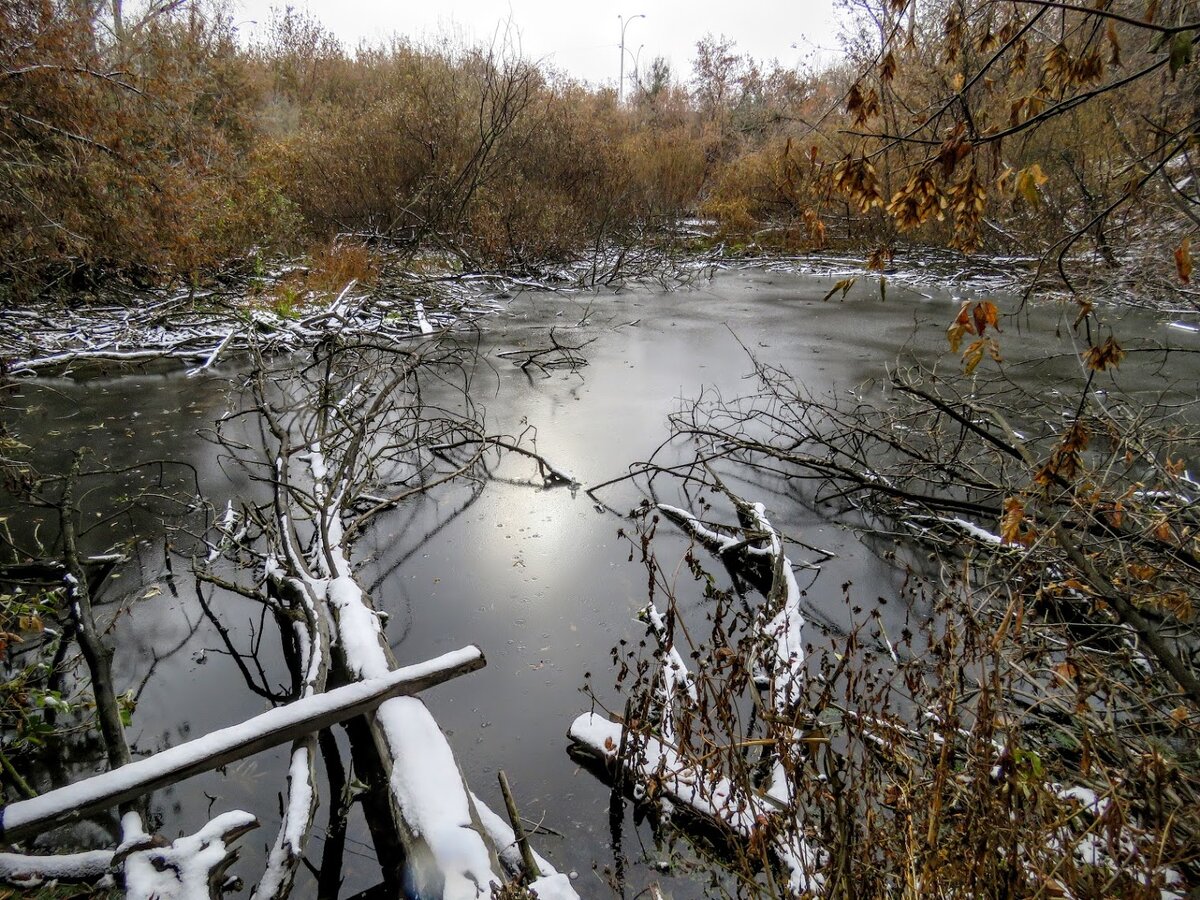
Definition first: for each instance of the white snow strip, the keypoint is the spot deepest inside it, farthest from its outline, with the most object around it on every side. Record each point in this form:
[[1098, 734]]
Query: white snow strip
[[316, 461], [505, 839], [212, 357], [675, 666], [426, 781], [553, 887], [674, 672], [718, 543], [293, 833]]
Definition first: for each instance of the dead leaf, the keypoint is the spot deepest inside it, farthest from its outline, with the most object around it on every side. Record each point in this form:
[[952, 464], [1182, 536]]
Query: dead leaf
[[1183, 260], [1029, 180], [1066, 672], [973, 355], [985, 313], [960, 326], [1099, 359], [1010, 522], [844, 286]]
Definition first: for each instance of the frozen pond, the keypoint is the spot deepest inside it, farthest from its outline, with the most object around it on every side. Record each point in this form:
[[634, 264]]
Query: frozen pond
[[537, 577]]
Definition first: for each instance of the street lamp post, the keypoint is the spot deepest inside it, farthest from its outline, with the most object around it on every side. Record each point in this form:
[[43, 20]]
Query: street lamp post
[[621, 81]]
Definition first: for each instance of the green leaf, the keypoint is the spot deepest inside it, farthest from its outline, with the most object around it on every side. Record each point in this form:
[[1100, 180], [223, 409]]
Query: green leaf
[[1181, 52]]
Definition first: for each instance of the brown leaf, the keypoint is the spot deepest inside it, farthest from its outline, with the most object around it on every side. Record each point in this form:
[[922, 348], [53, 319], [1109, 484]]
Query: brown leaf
[[1142, 572], [952, 152], [1114, 58], [887, 69], [1066, 672], [609, 745], [1085, 310], [1098, 359], [880, 258], [985, 314], [1183, 260], [1010, 522]]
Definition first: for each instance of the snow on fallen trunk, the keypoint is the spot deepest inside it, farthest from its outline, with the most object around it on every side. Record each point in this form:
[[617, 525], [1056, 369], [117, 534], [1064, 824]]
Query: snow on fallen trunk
[[783, 668], [190, 868], [28, 817], [709, 796], [505, 839], [674, 674], [27, 871], [448, 855], [312, 642]]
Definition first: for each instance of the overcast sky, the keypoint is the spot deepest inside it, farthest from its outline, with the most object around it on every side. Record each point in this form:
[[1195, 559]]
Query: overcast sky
[[582, 38]]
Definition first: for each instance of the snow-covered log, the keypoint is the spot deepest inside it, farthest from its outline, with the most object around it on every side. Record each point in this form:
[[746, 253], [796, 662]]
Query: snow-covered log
[[712, 798], [758, 556], [26, 818], [28, 871]]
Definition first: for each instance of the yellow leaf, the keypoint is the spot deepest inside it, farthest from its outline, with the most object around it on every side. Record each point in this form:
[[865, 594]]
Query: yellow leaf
[[961, 325], [1029, 180], [973, 355], [844, 286]]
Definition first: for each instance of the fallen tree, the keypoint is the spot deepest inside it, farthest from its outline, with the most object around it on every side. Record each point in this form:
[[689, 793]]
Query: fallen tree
[[342, 440], [328, 447], [1028, 730]]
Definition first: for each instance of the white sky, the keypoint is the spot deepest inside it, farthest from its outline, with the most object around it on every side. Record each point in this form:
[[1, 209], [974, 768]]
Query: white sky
[[582, 38]]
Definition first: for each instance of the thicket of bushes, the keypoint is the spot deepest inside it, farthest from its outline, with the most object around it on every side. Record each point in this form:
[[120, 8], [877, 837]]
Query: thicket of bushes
[[158, 147]]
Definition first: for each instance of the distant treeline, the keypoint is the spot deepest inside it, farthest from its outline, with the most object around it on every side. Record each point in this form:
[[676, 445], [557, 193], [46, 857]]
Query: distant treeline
[[150, 143]]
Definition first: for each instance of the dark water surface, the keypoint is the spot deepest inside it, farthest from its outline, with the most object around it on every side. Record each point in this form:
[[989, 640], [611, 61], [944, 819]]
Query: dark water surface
[[536, 576]]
